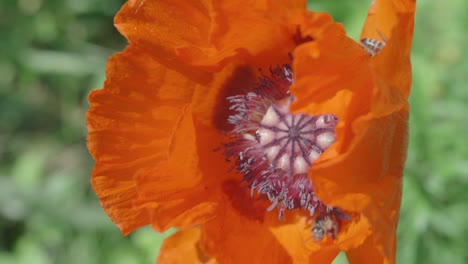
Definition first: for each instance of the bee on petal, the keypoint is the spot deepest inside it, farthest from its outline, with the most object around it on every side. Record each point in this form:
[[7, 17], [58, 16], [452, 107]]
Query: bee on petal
[[372, 46], [326, 225]]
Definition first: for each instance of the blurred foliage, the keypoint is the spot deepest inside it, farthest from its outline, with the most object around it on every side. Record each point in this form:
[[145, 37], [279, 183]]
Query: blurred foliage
[[54, 52]]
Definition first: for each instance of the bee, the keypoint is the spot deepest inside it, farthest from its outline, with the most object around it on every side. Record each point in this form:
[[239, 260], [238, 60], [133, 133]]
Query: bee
[[326, 225], [372, 46]]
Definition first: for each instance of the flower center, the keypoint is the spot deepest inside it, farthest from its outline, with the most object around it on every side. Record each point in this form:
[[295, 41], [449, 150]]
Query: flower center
[[293, 142], [274, 148]]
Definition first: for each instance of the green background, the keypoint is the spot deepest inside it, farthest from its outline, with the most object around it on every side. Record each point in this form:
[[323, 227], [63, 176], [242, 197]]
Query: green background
[[52, 53]]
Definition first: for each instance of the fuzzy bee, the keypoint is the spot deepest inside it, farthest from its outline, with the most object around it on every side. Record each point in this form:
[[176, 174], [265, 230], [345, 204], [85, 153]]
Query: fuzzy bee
[[325, 225], [372, 46]]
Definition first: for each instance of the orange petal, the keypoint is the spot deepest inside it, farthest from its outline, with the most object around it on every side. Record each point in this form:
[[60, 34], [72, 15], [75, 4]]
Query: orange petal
[[296, 238], [116, 196], [333, 76], [293, 237], [207, 33], [381, 244], [324, 255], [394, 21], [176, 190], [183, 191], [233, 38], [131, 123], [373, 189], [277, 6], [362, 171], [183, 247], [372, 252], [210, 103], [239, 77], [165, 24], [239, 233]]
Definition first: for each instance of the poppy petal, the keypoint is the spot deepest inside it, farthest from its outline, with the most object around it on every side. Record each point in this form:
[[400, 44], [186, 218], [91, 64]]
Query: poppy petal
[[296, 238], [278, 6], [183, 247], [236, 237], [132, 124], [210, 103], [334, 75], [372, 251], [234, 39], [175, 190], [211, 31], [157, 24], [394, 22]]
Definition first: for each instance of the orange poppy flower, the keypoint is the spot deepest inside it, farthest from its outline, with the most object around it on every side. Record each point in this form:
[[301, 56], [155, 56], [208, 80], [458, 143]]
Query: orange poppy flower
[[257, 128]]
